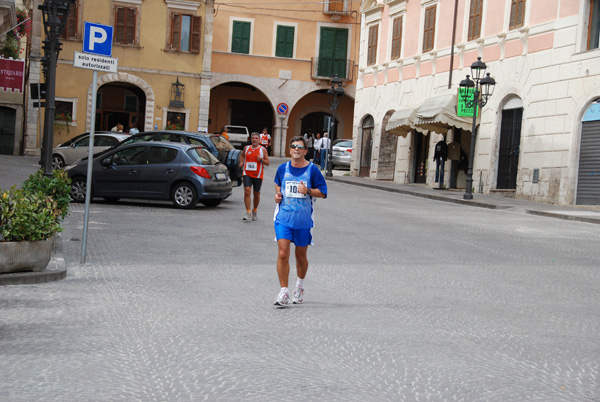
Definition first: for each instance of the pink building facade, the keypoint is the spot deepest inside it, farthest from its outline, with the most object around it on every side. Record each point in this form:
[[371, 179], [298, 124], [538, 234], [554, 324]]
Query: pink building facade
[[537, 133]]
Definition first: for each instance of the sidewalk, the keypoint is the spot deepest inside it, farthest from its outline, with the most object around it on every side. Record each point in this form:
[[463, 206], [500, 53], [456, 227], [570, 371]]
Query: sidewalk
[[589, 214]]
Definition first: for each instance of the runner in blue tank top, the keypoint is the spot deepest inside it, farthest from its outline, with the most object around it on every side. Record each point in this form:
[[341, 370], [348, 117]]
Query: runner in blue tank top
[[297, 184]]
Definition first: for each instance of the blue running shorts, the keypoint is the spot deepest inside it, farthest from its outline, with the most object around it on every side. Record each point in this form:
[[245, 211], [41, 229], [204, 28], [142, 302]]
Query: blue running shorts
[[300, 237]]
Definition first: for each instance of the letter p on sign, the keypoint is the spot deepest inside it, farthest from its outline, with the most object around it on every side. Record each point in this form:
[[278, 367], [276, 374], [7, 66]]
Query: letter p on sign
[[97, 39]]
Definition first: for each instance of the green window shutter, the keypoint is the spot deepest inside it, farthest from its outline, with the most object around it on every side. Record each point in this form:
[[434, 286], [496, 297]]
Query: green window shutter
[[285, 41], [240, 41], [332, 52]]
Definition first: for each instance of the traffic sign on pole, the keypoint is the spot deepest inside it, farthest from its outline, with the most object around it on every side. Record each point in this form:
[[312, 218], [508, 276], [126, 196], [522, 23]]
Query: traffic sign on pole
[[97, 39]]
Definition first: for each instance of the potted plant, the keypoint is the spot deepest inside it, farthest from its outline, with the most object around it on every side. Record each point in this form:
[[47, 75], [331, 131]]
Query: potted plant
[[29, 219]]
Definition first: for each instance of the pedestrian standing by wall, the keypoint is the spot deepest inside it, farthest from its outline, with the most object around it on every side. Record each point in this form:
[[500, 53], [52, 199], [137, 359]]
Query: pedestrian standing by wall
[[325, 143], [297, 184], [254, 158], [309, 139]]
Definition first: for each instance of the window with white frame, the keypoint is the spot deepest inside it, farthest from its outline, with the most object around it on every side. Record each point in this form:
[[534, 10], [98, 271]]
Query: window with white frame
[[475, 15], [517, 14], [396, 50], [126, 22], [66, 111]]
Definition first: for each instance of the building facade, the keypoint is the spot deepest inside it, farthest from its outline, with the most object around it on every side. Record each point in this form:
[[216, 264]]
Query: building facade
[[538, 136], [163, 79], [272, 64]]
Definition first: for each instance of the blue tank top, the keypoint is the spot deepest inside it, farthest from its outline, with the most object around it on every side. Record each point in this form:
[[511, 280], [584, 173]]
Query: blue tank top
[[295, 209]]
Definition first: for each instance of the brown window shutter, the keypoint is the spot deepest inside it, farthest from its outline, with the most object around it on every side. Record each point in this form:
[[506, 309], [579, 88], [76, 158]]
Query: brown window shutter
[[397, 38], [119, 24], [372, 45], [429, 30], [196, 34], [70, 30], [130, 26], [175, 31]]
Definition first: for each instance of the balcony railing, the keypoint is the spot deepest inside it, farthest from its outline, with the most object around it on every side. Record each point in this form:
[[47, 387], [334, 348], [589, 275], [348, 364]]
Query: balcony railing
[[327, 67]]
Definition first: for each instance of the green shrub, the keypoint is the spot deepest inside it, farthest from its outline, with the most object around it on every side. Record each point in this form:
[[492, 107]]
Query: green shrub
[[34, 212]]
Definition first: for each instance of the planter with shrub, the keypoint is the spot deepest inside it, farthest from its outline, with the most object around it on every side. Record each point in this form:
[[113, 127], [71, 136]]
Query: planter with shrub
[[29, 219]]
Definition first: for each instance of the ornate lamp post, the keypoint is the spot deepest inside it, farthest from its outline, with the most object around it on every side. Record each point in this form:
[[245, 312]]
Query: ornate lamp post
[[54, 14], [482, 88], [337, 91]]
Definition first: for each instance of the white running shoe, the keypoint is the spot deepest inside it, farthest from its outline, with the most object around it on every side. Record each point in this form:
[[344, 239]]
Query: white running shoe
[[283, 299], [298, 297], [247, 217], [254, 216]]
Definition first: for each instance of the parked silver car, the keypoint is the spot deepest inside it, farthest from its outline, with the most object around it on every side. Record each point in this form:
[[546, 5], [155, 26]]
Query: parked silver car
[[342, 153], [77, 148]]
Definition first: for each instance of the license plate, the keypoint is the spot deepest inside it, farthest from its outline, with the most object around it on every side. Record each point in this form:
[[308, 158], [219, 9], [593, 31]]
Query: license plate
[[220, 176]]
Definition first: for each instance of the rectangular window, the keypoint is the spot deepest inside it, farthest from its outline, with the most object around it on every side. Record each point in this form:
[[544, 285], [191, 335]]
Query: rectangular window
[[64, 112], [240, 40], [125, 25], [372, 45], [475, 19], [429, 29], [517, 14], [396, 38], [70, 29], [594, 25], [285, 41], [333, 48], [185, 33]]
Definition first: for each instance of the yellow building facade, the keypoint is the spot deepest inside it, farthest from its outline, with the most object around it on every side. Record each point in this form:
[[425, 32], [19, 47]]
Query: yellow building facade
[[163, 79]]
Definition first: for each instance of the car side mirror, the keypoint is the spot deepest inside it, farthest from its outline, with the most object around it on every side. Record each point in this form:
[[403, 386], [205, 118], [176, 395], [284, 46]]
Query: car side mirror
[[105, 162]]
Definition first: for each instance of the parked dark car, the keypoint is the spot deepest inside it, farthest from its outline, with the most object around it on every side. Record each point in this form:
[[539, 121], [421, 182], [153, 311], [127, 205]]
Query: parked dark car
[[182, 173], [214, 143]]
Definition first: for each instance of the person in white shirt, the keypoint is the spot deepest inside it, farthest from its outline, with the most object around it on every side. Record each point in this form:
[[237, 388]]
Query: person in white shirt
[[325, 142], [317, 147]]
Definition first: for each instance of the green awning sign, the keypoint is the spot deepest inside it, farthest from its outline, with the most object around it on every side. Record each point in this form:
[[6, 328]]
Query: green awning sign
[[461, 107]]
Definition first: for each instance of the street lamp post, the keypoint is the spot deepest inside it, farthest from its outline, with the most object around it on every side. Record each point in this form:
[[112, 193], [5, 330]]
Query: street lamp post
[[337, 91], [54, 13], [482, 88]]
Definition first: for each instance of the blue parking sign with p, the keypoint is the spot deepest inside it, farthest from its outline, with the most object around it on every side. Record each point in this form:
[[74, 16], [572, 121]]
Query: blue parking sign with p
[[97, 39]]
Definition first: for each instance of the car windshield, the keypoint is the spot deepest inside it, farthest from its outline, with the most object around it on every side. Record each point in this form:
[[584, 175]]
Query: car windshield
[[221, 143], [202, 156], [344, 144]]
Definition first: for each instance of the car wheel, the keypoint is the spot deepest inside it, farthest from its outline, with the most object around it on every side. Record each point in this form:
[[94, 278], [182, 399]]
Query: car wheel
[[212, 202], [78, 188], [184, 195], [57, 162]]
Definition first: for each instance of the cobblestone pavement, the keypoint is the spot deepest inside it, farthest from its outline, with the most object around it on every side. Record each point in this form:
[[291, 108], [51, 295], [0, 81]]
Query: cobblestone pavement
[[407, 299]]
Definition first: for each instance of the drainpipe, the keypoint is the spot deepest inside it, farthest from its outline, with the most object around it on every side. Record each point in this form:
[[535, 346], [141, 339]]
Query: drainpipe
[[453, 41]]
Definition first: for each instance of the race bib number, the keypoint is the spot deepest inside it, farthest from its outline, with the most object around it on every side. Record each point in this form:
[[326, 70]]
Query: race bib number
[[291, 189], [251, 166]]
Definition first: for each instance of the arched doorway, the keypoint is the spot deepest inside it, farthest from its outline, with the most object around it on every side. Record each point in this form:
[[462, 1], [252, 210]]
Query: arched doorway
[[120, 102], [240, 104], [366, 146], [8, 118], [588, 177], [510, 142], [387, 151]]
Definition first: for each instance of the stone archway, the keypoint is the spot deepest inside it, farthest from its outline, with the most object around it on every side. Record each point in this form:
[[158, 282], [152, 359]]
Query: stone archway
[[388, 144], [131, 79]]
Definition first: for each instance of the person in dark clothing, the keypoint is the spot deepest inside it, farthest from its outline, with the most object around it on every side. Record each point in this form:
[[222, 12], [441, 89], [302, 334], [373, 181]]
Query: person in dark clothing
[[440, 156]]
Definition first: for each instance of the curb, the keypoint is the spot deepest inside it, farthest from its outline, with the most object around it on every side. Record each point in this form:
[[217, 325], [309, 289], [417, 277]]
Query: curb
[[55, 271], [558, 215], [416, 194]]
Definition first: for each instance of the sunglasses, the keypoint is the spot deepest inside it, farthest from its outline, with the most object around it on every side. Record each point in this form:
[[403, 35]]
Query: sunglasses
[[294, 146]]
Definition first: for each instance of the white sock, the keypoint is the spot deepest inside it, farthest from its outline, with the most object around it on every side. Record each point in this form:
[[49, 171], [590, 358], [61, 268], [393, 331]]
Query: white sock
[[300, 283], [284, 290]]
